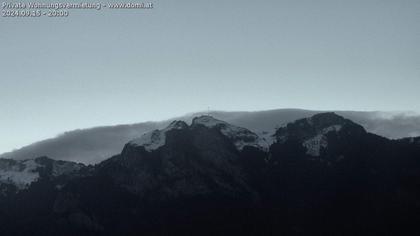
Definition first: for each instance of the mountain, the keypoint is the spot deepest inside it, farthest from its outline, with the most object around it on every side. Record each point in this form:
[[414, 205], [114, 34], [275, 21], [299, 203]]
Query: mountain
[[21, 174], [90, 146], [320, 175]]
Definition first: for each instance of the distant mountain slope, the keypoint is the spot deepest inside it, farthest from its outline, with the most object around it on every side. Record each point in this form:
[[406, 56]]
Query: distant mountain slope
[[96, 144], [20, 175]]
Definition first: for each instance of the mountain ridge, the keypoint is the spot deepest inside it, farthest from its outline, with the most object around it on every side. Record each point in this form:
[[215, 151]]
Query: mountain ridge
[[198, 181]]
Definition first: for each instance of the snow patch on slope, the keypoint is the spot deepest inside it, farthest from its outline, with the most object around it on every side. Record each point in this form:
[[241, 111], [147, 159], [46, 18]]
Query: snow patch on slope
[[335, 128], [20, 174], [151, 140], [241, 137], [315, 144], [157, 138]]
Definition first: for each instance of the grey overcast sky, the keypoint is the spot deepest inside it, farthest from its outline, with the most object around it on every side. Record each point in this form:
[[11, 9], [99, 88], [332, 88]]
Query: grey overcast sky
[[109, 67]]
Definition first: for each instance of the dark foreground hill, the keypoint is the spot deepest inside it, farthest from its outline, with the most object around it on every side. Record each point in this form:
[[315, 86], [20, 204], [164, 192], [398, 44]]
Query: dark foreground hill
[[323, 175]]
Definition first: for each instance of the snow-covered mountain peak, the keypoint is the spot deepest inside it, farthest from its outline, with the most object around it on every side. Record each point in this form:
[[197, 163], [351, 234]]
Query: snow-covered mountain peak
[[150, 140], [207, 121], [157, 138], [241, 137]]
